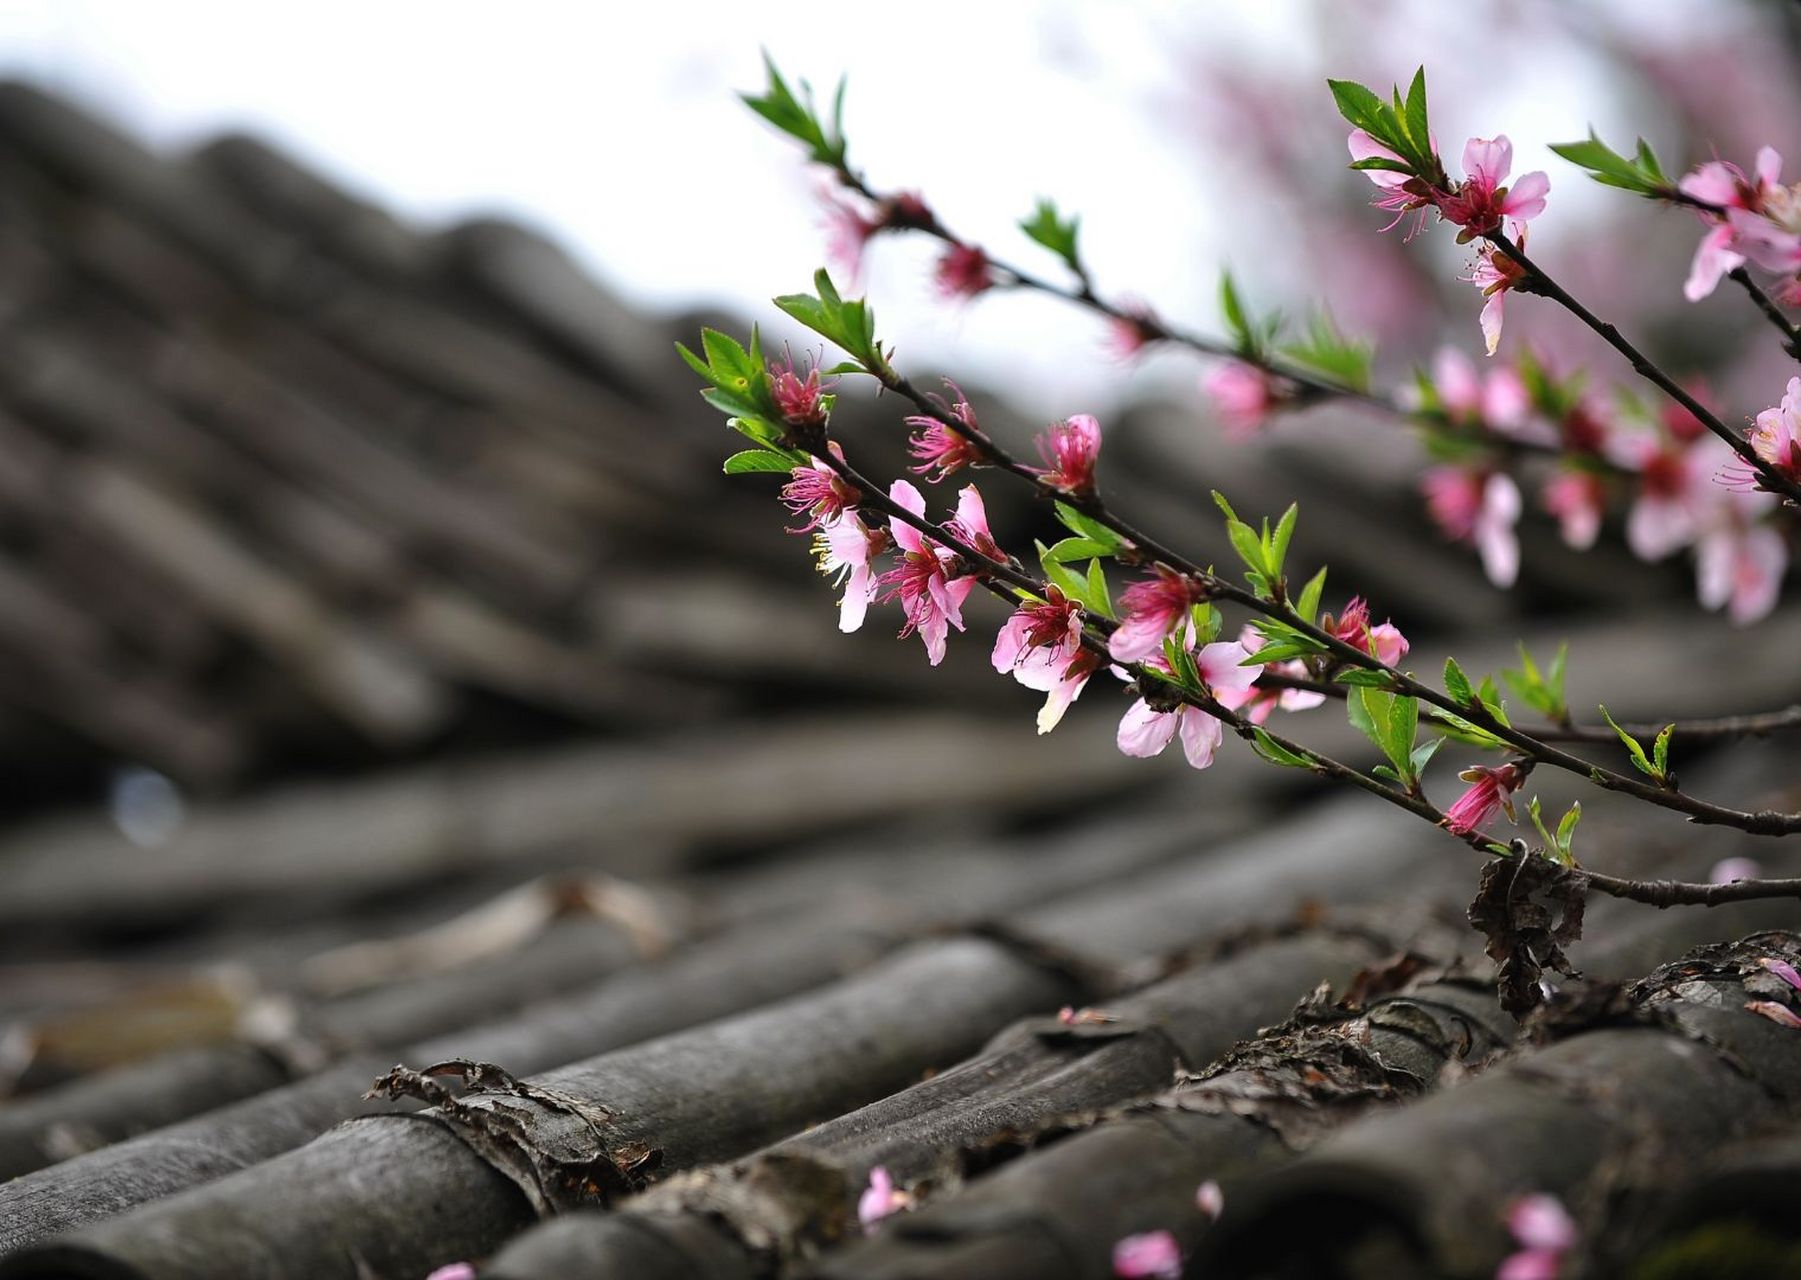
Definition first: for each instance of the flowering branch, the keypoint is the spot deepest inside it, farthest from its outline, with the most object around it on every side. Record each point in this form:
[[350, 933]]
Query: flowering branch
[[1539, 282]]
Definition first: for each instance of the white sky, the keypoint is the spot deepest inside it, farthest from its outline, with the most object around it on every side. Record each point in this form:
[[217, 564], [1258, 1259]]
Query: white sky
[[613, 127]]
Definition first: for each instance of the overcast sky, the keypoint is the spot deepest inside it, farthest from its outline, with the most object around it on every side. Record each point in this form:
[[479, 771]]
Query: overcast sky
[[614, 128]]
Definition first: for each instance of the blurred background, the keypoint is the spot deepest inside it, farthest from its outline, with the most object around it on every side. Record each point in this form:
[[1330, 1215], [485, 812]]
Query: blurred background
[[361, 535]]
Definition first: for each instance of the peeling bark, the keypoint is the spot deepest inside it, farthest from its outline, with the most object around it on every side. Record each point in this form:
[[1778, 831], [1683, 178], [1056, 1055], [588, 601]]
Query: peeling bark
[[1674, 1069]]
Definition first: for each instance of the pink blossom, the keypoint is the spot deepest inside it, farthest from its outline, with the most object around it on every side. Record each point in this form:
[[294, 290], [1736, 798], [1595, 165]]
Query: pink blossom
[[1578, 500], [1491, 790], [1495, 274], [1541, 1222], [1531, 1264], [1209, 1199], [1145, 731], [1243, 396], [1150, 610], [1499, 401], [1481, 508], [1154, 1255], [845, 550], [1384, 643], [939, 449], [848, 231], [453, 1271], [1257, 702], [1756, 219], [964, 272], [802, 400], [880, 1199], [1782, 969], [1780, 1014], [1726, 870], [1132, 330], [1041, 645], [930, 597], [1480, 202], [1069, 450], [817, 493], [1674, 491], [970, 524], [1776, 439], [1739, 565]]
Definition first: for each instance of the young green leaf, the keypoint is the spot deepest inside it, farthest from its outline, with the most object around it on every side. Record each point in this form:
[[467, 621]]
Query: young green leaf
[[1099, 599], [1275, 752], [755, 460], [1457, 684], [1054, 232], [1076, 549], [1660, 751], [1088, 528], [1640, 760], [1642, 174], [1307, 605]]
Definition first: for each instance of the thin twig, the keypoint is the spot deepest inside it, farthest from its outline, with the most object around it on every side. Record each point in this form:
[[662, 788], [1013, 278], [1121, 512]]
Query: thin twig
[[1660, 893], [1542, 284], [1791, 335]]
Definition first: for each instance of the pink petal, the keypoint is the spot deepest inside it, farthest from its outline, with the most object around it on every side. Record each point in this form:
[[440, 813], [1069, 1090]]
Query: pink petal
[[1209, 1199], [1531, 1264], [1541, 1222], [1364, 147], [1526, 198], [1144, 732], [1782, 969], [1490, 320], [1010, 644], [1726, 870], [1780, 1014], [858, 592], [1713, 258], [1495, 538], [1655, 527], [1714, 183], [1201, 733], [1455, 379], [1155, 1255], [1488, 160], [971, 513], [1769, 166], [1058, 701], [908, 498], [1136, 638], [1220, 665]]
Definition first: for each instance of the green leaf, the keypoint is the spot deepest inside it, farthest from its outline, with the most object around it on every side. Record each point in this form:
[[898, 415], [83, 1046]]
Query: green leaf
[[1089, 528], [1280, 651], [1308, 603], [1275, 752], [1641, 174], [1566, 829], [1358, 676], [1326, 349], [1362, 108], [1390, 721], [1076, 549], [1455, 726], [1099, 600], [1422, 755], [797, 117], [1413, 114], [1660, 751], [1633, 749], [759, 460], [1058, 234], [1231, 308], [1278, 546], [1457, 684]]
